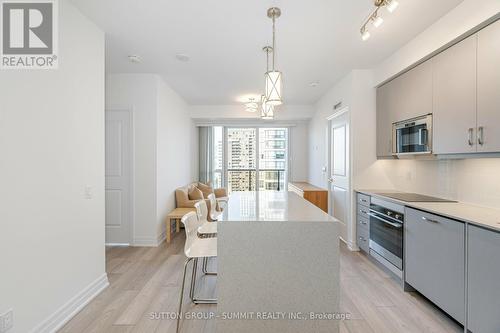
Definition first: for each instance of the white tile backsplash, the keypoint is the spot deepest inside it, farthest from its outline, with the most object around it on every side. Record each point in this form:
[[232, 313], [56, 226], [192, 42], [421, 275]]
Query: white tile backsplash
[[475, 181]]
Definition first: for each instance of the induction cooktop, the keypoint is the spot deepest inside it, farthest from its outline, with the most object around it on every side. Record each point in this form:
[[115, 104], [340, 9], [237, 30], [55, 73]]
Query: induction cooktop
[[413, 197]]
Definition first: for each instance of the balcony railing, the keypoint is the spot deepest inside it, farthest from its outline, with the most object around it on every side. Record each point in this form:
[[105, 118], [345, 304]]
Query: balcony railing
[[245, 179]]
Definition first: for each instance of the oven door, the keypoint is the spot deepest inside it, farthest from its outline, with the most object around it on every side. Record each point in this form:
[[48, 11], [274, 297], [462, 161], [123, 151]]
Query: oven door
[[413, 136], [386, 238]]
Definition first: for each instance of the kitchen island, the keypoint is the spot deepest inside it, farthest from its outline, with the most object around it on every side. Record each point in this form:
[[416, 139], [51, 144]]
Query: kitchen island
[[278, 265]]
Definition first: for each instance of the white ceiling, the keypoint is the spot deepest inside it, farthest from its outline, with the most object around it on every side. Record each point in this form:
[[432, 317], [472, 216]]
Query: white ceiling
[[317, 40]]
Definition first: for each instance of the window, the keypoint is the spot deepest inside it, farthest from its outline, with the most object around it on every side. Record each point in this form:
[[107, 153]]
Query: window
[[257, 159]]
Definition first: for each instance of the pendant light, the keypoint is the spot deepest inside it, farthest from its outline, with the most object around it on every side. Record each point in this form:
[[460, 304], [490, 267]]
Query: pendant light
[[267, 111], [274, 83]]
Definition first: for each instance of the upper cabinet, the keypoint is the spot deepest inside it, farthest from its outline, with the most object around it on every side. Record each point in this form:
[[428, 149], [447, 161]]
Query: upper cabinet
[[414, 93], [408, 96], [488, 89], [454, 106], [460, 87], [385, 116]]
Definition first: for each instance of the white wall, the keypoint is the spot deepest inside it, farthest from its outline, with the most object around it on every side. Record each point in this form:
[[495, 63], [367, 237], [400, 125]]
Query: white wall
[[284, 112], [138, 93], [318, 129], [177, 150], [165, 148], [299, 151], [52, 146]]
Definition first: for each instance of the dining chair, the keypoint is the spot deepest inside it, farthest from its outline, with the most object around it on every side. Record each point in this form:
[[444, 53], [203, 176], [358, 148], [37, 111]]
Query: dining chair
[[214, 214], [194, 249]]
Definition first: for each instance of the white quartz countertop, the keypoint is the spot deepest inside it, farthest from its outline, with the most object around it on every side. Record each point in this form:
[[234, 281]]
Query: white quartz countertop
[[473, 214], [272, 206]]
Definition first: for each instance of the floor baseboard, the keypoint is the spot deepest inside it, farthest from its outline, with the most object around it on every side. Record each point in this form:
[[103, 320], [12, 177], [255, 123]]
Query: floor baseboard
[[59, 318]]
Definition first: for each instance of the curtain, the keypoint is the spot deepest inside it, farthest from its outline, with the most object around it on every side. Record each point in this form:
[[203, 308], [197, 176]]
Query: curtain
[[206, 149]]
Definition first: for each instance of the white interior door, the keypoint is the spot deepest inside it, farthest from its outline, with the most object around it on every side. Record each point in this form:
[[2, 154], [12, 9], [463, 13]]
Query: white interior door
[[118, 177], [339, 171]]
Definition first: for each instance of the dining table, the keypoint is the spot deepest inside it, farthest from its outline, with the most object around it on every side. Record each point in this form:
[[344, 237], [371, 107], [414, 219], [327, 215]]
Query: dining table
[[277, 265]]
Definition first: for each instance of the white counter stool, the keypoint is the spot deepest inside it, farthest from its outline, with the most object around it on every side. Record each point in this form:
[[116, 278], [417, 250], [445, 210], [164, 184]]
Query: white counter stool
[[194, 249], [214, 213], [206, 230]]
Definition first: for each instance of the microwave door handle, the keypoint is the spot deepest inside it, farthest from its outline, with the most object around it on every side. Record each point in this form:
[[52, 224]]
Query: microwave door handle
[[422, 137], [396, 225]]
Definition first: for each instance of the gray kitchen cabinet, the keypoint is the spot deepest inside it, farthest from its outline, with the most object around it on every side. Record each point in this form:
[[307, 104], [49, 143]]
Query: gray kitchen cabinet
[[454, 101], [488, 89], [363, 222], [414, 93], [483, 278], [385, 111], [435, 260], [408, 96]]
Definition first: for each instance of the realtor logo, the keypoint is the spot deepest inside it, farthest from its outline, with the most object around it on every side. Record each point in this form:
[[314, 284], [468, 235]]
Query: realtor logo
[[29, 34]]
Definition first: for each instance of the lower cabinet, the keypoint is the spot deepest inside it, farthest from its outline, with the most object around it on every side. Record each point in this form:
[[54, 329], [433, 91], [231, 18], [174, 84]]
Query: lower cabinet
[[483, 280], [435, 260]]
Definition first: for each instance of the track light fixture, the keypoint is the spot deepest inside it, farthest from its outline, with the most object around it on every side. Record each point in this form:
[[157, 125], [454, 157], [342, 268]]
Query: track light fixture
[[374, 18]]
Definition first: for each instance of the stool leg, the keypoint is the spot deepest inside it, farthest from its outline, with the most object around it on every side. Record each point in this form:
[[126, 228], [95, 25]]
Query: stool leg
[[182, 294]]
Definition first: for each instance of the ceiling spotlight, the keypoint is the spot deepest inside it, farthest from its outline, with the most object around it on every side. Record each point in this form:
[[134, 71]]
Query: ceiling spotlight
[[134, 58], [314, 84], [182, 57], [392, 5], [377, 20], [365, 34]]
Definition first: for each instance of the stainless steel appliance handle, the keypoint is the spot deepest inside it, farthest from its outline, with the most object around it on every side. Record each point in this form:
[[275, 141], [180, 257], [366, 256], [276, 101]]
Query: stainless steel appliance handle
[[396, 225], [471, 134], [429, 220], [480, 135], [385, 216]]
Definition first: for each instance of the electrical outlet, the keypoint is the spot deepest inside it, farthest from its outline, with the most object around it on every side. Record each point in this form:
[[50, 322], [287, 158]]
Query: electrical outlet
[[89, 192], [6, 321]]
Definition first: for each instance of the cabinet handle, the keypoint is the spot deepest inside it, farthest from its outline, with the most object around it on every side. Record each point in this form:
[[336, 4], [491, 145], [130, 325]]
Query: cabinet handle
[[471, 134], [429, 220], [480, 135], [363, 212], [362, 239], [364, 222]]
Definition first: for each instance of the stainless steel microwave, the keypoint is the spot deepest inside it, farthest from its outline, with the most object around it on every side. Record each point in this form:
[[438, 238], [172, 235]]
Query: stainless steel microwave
[[412, 136]]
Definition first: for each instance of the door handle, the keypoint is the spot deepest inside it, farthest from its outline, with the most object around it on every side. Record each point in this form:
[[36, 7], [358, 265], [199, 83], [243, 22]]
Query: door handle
[[470, 137], [429, 220], [480, 135]]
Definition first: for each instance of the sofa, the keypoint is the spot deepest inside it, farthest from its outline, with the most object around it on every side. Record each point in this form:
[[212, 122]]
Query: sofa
[[183, 201]]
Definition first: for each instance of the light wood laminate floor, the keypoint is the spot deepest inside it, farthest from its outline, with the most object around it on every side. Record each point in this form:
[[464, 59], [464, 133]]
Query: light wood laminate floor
[[145, 281]]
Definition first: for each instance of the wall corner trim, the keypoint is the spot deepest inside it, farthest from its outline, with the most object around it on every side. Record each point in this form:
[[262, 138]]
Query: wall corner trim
[[64, 314]]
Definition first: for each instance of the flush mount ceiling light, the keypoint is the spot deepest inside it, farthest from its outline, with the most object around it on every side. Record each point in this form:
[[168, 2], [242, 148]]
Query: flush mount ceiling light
[[182, 57], [267, 110], [134, 59], [374, 18], [274, 83], [251, 105]]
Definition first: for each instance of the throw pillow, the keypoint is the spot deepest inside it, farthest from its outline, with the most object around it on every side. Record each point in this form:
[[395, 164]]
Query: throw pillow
[[195, 194], [205, 189]]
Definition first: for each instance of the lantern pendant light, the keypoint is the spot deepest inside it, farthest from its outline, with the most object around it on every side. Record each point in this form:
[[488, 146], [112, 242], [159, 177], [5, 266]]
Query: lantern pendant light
[[267, 111], [274, 83]]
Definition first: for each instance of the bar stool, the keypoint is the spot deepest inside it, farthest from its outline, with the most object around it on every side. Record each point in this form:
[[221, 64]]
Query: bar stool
[[214, 214], [206, 230], [194, 249]]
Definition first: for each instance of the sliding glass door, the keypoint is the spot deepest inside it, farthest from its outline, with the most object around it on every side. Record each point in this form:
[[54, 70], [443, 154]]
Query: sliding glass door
[[256, 159]]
